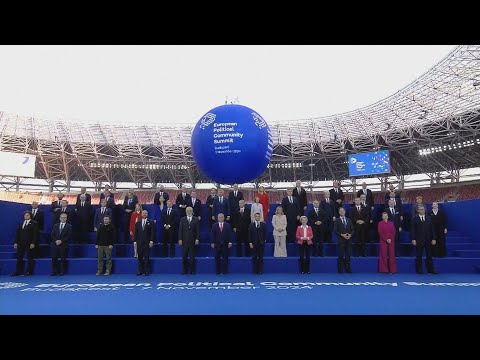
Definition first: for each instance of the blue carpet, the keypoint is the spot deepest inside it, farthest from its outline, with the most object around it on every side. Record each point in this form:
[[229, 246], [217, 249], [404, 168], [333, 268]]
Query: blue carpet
[[242, 294]]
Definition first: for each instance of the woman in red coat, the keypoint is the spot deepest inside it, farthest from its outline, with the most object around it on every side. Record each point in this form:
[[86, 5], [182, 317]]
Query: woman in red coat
[[263, 197], [136, 216], [386, 234], [304, 237]]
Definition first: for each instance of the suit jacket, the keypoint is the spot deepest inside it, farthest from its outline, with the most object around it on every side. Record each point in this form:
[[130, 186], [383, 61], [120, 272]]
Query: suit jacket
[[189, 232], [197, 207], [301, 197], [98, 218], [299, 235], [223, 207], [339, 228], [386, 230], [64, 236], [84, 213], [439, 221], [131, 206], [88, 198], [169, 219], [334, 196], [398, 201], [234, 200], [156, 198], [221, 237], [369, 195], [210, 200], [181, 201], [356, 215], [241, 222], [56, 204], [313, 217], [257, 236], [144, 236], [39, 218], [110, 200], [60, 212], [329, 208], [395, 217], [291, 210], [28, 235], [422, 231]]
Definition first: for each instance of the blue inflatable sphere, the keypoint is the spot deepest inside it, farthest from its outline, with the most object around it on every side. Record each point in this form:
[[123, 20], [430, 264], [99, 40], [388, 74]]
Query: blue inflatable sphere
[[232, 144]]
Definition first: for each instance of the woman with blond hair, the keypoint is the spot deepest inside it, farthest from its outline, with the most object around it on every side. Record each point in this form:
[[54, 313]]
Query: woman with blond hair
[[279, 222], [256, 208]]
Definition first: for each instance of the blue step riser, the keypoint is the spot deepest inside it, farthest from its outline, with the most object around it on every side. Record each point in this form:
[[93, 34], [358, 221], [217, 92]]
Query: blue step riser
[[238, 265]]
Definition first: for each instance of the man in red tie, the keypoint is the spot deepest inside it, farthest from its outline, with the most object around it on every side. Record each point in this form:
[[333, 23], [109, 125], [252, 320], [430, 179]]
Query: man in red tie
[[221, 236]]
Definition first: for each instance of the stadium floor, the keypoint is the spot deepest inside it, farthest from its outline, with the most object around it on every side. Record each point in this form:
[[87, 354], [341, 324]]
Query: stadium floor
[[238, 294]]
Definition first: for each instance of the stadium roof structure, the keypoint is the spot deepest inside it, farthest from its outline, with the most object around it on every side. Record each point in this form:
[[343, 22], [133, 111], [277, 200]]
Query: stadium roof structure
[[430, 126]]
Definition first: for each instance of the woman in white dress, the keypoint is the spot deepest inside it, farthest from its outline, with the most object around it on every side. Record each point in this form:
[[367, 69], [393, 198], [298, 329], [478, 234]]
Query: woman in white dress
[[279, 222], [256, 208]]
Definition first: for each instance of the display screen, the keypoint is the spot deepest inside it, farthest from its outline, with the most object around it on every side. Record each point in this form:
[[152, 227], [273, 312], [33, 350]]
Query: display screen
[[17, 164], [371, 163]]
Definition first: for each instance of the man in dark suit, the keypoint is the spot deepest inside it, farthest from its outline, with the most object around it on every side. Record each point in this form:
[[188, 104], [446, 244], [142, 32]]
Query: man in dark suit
[[328, 205], [128, 208], [301, 195], [423, 236], [88, 197], [188, 239], [391, 193], [100, 213], [84, 216], [144, 237], [26, 240], [241, 223], [169, 219], [221, 241], [221, 205], [161, 192], [37, 215], [336, 194], [368, 196], [210, 201], [257, 236], [61, 233], [439, 222], [55, 208], [292, 211], [395, 216], [108, 195], [317, 219], [234, 198], [344, 230], [360, 219], [196, 205], [104, 244], [183, 200], [63, 210]]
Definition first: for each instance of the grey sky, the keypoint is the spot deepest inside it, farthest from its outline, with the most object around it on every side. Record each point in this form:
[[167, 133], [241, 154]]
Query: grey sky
[[178, 84]]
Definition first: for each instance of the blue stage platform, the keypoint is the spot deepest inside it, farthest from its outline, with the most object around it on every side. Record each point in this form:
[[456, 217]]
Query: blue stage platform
[[463, 247]]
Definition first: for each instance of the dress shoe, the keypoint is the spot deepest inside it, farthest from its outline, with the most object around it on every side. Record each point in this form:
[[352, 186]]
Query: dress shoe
[[433, 272], [98, 273], [308, 272], [107, 273], [61, 274], [217, 273], [27, 274], [303, 272], [348, 271], [15, 274], [139, 273], [146, 274], [53, 274], [192, 272]]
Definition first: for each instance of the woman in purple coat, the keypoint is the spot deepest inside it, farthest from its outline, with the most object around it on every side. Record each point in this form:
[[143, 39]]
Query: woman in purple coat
[[386, 234]]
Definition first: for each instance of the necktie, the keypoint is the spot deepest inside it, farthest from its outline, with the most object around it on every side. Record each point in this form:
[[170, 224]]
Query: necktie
[[107, 198], [393, 211], [34, 212], [24, 224], [422, 218], [336, 190], [63, 209], [221, 199], [316, 211], [103, 210], [290, 198], [344, 222], [241, 211], [143, 225], [161, 194], [61, 227], [189, 219], [129, 202], [221, 227], [168, 212], [235, 194], [258, 225], [358, 208], [82, 203]]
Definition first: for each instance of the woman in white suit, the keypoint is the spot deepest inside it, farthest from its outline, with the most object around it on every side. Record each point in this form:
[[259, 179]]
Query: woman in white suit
[[279, 222], [256, 208]]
